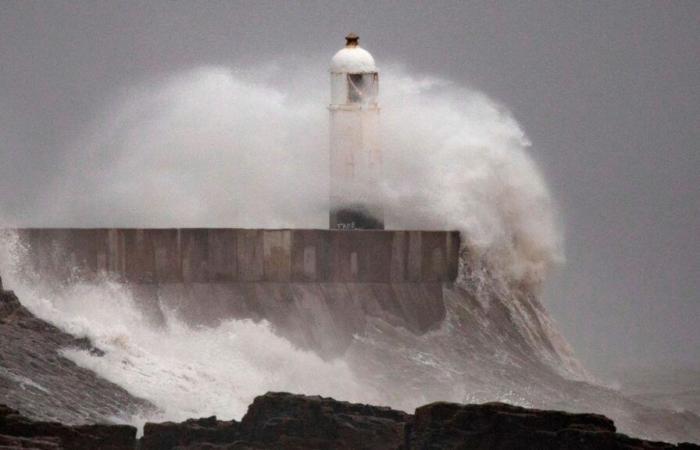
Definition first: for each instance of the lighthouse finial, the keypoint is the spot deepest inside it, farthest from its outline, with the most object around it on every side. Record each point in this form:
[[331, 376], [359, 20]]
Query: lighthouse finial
[[352, 40]]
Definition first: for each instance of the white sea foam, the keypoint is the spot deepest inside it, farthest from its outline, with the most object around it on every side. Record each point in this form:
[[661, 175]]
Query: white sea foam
[[184, 371], [212, 147]]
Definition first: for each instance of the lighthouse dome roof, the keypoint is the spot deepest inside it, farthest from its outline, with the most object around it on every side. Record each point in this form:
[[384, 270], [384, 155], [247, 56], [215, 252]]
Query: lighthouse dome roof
[[353, 59]]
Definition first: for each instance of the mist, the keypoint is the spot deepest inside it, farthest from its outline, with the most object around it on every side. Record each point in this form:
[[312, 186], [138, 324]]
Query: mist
[[218, 146], [227, 147], [221, 147], [608, 94]]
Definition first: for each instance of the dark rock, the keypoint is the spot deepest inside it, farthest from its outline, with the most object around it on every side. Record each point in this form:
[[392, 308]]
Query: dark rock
[[14, 442], [286, 421], [501, 426], [17, 431], [9, 303], [38, 380], [168, 435], [292, 421]]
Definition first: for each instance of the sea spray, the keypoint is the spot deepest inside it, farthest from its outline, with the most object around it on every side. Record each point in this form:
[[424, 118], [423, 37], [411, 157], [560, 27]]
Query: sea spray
[[214, 147], [185, 371], [211, 147]]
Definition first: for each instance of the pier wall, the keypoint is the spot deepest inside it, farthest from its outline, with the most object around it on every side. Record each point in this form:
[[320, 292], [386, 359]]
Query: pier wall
[[239, 255], [317, 288]]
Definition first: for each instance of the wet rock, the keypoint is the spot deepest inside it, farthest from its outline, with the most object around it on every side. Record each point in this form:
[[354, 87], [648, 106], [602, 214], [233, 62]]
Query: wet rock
[[14, 442], [292, 421], [193, 433], [286, 421], [38, 380], [9, 303], [501, 426], [17, 431]]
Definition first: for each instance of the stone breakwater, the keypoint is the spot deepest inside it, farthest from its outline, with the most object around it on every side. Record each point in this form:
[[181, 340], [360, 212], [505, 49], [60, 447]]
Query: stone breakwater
[[202, 255], [316, 287], [406, 343], [287, 421], [54, 393]]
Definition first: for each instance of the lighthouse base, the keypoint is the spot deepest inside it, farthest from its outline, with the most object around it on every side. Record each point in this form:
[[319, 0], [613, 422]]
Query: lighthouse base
[[355, 218]]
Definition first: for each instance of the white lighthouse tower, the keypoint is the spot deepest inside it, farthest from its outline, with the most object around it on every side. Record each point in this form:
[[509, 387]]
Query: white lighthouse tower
[[355, 156]]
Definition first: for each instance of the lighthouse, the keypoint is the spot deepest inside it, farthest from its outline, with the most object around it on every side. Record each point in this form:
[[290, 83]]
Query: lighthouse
[[355, 154]]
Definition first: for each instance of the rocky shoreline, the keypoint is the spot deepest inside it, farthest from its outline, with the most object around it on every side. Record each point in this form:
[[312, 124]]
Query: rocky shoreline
[[288, 421], [273, 421], [36, 378]]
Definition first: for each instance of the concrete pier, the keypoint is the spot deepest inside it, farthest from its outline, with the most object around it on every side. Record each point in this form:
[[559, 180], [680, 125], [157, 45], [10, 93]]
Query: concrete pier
[[230, 255], [318, 288]]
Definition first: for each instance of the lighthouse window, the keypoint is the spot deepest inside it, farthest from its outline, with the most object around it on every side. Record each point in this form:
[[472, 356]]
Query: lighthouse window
[[362, 87]]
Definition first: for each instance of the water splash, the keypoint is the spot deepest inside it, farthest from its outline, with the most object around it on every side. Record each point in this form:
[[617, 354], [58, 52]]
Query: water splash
[[185, 371], [213, 147], [219, 148]]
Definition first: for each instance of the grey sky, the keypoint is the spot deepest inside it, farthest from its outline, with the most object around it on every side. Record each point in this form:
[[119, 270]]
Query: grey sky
[[609, 94]]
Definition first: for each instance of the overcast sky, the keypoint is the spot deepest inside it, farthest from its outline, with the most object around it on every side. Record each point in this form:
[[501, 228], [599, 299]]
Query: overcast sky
[[608, 92]]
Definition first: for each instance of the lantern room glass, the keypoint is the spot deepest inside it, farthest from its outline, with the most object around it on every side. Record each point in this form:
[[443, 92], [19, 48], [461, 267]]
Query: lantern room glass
[[362, 87]]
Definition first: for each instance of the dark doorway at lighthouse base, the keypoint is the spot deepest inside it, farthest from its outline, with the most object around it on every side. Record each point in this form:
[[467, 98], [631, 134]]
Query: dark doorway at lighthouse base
[[356, 217]]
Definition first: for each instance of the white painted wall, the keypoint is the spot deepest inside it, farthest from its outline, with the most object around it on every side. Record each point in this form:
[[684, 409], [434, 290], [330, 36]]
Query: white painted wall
[[355, 153]]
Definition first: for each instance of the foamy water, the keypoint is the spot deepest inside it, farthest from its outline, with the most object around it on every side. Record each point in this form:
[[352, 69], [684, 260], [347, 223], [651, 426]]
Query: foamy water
[[214, 147], [184, 371]]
